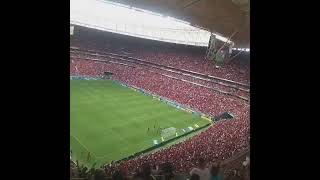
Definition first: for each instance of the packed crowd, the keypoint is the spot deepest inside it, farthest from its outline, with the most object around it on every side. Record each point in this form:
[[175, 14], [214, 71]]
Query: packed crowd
[[196, 80], [199, 98], [203, 170], [231, 169], [216, 144], [219, 142], [196, 62], [179, 56]]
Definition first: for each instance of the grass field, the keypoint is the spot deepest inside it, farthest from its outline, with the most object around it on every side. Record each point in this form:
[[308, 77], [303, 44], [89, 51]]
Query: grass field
[[111, 122]]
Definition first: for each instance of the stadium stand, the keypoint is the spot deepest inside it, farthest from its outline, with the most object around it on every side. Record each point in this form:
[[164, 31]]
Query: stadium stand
[[166, 69], [219, 142], [199, 98], [221, 85], [179, 56], [232, 168]]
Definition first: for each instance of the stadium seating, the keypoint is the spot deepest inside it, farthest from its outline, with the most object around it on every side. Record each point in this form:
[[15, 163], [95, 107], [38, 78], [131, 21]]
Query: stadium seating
[[232, 168], [219, 142], [179, 56], [199, 98], [195, 79]]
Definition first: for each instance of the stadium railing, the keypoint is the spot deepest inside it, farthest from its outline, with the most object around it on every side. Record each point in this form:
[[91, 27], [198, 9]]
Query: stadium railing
[[167, 66], [174, 70]]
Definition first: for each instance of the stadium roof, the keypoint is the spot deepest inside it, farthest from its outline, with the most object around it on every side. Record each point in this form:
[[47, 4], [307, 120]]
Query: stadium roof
[[225, 17], [123, 19]]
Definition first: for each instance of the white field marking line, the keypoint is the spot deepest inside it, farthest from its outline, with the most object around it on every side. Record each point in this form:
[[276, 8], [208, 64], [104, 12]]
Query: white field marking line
[[83, 145], [97, 157]]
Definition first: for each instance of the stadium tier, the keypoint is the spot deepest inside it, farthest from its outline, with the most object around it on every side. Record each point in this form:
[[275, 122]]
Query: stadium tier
[[225, 86], [179, 56], [101, 110]]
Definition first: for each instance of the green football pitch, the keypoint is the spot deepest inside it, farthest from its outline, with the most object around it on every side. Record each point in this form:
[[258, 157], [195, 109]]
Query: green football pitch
[[109, 122]]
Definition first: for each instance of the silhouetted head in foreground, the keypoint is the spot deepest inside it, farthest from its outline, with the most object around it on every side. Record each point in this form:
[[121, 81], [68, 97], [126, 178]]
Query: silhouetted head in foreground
[[195, 177], [202, 163], [117, 176]]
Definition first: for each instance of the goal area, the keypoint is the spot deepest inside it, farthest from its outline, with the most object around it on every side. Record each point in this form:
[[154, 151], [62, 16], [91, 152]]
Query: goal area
[[168, 132]]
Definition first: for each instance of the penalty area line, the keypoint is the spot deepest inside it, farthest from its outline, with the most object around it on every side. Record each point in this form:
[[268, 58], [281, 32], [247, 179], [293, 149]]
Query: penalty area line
[[83, 145]]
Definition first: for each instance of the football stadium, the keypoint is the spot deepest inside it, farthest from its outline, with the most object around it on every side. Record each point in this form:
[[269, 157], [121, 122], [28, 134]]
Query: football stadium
[[159, 89]]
